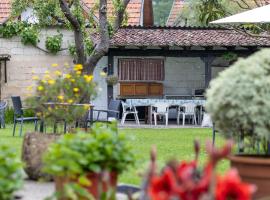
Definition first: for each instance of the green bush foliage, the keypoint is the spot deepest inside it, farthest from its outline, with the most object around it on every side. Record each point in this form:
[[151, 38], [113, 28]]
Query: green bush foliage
[[11, 172], [79, 154], [65, 92], [9, 114], [29, 35], [54, 43], [239, 99], [11, 29]]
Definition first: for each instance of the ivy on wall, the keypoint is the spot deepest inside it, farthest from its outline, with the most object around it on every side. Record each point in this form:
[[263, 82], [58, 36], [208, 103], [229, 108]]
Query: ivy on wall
[[29, 35]]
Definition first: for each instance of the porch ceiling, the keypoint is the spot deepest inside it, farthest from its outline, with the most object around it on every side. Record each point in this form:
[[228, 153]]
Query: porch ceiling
[[185, 37]]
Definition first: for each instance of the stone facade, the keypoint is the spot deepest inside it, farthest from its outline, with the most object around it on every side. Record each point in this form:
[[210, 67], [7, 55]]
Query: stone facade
[[28, 61]]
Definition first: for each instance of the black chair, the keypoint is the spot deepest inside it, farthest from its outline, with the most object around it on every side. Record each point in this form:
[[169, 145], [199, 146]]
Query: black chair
[[18, 114], [113, 111], [3, 106]]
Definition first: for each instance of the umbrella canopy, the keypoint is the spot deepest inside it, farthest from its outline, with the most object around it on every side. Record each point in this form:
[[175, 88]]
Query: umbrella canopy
[[257, 15]]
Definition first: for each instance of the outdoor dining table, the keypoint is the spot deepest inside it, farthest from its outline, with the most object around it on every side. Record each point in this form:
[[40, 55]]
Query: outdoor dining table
[[149, 103], [91, 113]]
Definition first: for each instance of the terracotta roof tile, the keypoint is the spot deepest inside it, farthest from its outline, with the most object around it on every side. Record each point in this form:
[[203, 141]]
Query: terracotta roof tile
[[5, 9], [138, 36], [133, 9]]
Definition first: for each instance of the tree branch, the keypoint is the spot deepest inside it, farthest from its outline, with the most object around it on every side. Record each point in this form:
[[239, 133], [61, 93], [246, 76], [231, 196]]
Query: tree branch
[[120, 15], [78, 34], [104, 43]]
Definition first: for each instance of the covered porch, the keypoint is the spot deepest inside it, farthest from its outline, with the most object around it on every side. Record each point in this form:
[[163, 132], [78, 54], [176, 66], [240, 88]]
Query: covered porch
[[173, 63]]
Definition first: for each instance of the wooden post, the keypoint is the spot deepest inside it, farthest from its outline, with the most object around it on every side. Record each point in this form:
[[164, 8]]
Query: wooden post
[[208, 60], [110, 72]]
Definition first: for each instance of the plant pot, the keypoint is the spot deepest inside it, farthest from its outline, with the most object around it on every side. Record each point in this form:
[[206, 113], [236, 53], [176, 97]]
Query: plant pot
[[34, 146], [96, 180], [255, 170]]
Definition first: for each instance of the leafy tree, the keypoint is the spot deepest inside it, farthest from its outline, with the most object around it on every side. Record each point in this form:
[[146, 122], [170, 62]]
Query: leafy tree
[[201, 12], [71, 15], [161, 11]]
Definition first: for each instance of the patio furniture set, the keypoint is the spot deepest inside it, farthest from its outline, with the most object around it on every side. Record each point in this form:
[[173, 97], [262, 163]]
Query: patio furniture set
[[186, 108], [156, 109]]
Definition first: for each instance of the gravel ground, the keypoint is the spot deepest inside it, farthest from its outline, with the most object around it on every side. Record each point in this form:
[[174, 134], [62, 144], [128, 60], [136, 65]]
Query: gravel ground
[[39, 191]]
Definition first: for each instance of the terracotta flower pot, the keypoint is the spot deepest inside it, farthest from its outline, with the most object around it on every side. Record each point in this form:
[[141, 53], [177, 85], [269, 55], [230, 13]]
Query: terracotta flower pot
[[255, 170], [97, 180]]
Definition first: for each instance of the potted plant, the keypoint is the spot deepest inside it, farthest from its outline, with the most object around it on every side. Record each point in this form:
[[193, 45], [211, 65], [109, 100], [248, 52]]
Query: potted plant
[[112, 80], [186, 180], [11, 172], [94, 160], [238, 102], [56, 98]]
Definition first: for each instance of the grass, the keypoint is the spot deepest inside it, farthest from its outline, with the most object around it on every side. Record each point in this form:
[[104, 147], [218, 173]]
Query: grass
[[170, 143]]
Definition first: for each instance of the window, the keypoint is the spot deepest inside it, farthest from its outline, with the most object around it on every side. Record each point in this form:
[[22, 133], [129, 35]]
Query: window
[[136, 69]]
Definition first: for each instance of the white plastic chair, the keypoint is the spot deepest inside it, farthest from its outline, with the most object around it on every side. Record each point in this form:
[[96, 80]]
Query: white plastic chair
[[189, 110], [127, 110], [161, 109]]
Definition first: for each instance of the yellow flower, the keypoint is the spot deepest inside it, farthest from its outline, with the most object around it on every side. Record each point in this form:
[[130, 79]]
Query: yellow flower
[[47, 76], [43, 81], [68, 76], [60, 97], [76, 89], [47, 72], [72, 80], [58, 73], [40, 88], [103, 74], [78, 72], [70, 101], [78, 67], [88, 78], [54, 65], [29, 88], [51, 82], [35, 78], [86, 107], [50, 108], [33, 71], [39, 114]]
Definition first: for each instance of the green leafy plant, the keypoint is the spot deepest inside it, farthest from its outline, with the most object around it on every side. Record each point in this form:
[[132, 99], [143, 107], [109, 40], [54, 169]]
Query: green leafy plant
[[112, 80], [238, 101], [11, 29], [69, 95], [11, 172], [29, 35], [78, 154], [54, 43], [9, 114]]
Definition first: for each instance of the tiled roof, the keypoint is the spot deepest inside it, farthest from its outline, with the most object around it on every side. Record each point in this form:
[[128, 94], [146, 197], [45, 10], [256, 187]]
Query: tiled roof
[[175, 11], [133, 9], [178, 37], [5, 9]]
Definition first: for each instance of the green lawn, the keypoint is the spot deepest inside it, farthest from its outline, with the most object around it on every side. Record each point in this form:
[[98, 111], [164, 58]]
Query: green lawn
[[170, 143]]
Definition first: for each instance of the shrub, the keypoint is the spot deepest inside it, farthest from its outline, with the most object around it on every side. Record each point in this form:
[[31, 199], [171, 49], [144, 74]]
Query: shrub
[[79, 154], [11, 173], [239, 101], [9, 114], [54, 43], [29, 35], [65, 92]]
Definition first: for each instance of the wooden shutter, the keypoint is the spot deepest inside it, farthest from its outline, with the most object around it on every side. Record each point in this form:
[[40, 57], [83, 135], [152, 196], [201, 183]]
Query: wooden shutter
[[141, 69]]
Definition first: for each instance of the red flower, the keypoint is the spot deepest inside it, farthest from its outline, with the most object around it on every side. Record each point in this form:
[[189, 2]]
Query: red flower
[[231, 187], [162, 187]]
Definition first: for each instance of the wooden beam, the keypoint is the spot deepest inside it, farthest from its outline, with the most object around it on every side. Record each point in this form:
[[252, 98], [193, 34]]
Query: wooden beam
[[175, 53], [110, 72]]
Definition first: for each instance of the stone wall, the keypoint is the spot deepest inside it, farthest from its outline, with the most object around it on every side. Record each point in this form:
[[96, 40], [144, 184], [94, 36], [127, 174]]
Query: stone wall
[[27, 61]]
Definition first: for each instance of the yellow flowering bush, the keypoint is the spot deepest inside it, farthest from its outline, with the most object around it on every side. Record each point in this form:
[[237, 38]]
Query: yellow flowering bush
[[61, 96]]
